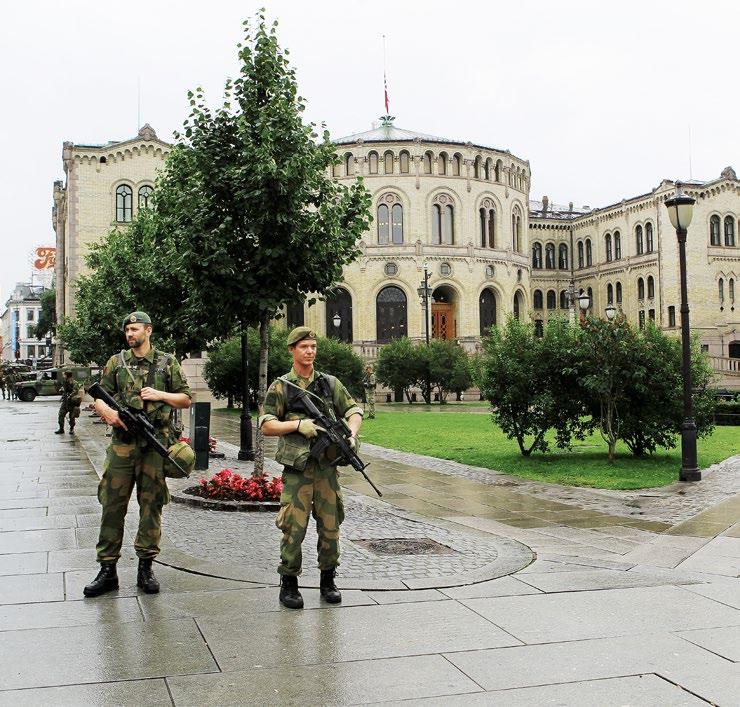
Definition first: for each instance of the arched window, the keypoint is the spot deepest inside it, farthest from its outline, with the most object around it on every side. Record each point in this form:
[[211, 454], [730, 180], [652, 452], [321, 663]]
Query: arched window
[[487, 219], [580, 254], [537, 301], [443, 221], [397, 224], [608, 247], [146, 197], [516, 231], [517, 305], [404, 162], [729, 231], [649, 237], [640, 288], [619, 292], [456, 165], [436, 224], [639, 245], [609, 294], [721, 284], [617, 245], [491, 228], [349, 164], [372, 160], [294, 315], [551, 299], [483, 227], [499, 170], [589, 253], [714, 231], [550, 256], [390, 313], [651, 287], [383, 224], [563, 256], [388, 162], [537, 256], [124, 197], [339, 303], [487, 310], [731, 290], [442, 163], [448, 225], [476, 167], [427, 163], [563, 299], [488, 169]]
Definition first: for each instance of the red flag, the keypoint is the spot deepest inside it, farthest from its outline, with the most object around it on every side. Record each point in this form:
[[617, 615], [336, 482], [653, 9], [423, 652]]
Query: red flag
[[385, 85]]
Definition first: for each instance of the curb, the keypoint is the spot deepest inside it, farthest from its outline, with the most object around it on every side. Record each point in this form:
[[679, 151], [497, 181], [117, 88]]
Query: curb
[[212, 504]]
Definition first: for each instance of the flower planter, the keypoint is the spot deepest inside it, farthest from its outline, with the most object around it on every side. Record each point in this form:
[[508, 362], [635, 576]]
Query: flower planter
[[213, 504]]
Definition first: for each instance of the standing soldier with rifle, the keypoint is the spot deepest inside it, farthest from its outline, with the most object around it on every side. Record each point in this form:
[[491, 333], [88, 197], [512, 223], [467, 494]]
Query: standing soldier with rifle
[[310, 482], [369, 383], [2, 380], [71, 399], [142, 385]]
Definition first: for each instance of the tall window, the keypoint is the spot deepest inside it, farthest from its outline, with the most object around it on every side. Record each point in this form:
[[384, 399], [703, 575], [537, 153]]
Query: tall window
[[649, 247], [714, 231], [731, 290], [563, 299], [349, 164], [487, 224], [390, 310], [487, 311], [537, 299], [403, 159], [443, 220], [550, 256], [729, 231], [442, 163], [589, 253], [390, 220], [563, 256], [618, 288], [639, 245], [339, 307], [372, 160], [651, 315], [608, 247], [516, 230], [651, 287], [427, 163], [499, 170], [580, 254], [517, 305], [124, 197], [388, 162], [383, 224], [537, 256], [671, 316], [617, 245], [397, 224], [551, 299], [640, 289], [488, 169], [609, 294], [456, 165], [476, 167], [721, 291], [146, 197]]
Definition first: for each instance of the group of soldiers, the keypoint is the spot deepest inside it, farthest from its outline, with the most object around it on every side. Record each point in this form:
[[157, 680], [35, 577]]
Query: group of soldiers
[[8, 379]]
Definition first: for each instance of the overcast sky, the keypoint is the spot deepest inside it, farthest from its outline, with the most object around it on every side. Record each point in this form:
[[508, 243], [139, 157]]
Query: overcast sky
[[600, 98]]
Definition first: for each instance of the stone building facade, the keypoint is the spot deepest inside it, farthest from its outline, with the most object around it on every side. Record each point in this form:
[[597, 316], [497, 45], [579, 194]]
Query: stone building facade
[[17, 323]]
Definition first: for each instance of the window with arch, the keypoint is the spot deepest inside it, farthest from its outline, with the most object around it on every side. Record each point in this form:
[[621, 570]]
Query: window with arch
[[731, 290], [442, 163], [443, 220], [563, 256], [390, 313], [518, 305], [580, 254], [537, 299], [640, 288], [339, 307], [487, 311], [124, 198], [550, 256], [714, 231], [403, 161], [609, 294], [383, 220], [456, 165], [639, 244], [146, 197], [563, 299], [372, 162], [477, 167], [487, 216], [729, 231], [618, 289], [721, 287], [537, 256], [608, 247], [349, 164], [390, 220], [651, 287], [617, 245], [427, 163], [488, 169], [589, 253], [649, 246], [499, 170], [516, 231], [552, 299], [671, 316], [388, 162]]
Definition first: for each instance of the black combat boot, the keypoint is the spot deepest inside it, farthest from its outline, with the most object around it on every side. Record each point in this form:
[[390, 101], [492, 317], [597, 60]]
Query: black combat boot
[[71, 429], [60, 431], [106, 581], [329, 591], [290, 597], [145, 578]]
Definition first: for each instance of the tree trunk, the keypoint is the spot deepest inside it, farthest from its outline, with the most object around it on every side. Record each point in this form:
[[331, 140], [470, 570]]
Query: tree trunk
[[259, 458], [230, 401]]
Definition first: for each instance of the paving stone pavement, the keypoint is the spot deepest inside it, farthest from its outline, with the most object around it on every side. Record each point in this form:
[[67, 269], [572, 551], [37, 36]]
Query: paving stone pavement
[[610, 612]]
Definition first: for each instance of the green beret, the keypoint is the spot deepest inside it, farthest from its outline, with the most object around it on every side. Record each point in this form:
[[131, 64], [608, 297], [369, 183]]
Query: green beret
[[299, 334], [136, 318]]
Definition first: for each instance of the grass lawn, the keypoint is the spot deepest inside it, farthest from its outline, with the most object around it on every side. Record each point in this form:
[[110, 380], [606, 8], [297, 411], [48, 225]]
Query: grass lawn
[[473, 439]]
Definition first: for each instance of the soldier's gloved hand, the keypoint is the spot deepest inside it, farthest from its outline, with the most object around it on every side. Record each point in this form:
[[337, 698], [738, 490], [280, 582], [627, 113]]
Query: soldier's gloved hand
[[352, 441], [309, 429]]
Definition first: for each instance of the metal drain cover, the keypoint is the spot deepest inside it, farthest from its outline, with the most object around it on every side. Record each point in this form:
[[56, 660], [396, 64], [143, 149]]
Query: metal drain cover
[[406, 546]]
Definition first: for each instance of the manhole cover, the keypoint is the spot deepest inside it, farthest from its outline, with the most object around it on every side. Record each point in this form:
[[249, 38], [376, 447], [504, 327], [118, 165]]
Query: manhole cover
[[406, 546]]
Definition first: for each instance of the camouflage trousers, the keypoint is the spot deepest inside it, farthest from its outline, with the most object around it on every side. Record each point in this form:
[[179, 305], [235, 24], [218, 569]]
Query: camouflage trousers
[[370, 402], [126, 466], [68, 409], [316, 492]]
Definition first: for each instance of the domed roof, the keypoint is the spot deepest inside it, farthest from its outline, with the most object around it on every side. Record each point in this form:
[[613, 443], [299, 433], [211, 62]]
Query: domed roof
[[387, 132]]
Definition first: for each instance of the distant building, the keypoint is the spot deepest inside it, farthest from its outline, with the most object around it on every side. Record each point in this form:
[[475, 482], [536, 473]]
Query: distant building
[[21, 314]]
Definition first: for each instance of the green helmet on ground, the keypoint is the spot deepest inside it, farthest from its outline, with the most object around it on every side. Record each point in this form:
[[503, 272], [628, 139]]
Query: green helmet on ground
[[182, 453]]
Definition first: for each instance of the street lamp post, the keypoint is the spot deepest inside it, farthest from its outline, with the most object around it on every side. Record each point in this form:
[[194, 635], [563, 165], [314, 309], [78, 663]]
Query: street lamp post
[[680, 210], [424, 292], [584, 302], [246, 451], [611, 312]]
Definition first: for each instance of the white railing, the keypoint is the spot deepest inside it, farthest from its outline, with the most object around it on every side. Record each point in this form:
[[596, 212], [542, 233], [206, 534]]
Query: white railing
[[725, 365]]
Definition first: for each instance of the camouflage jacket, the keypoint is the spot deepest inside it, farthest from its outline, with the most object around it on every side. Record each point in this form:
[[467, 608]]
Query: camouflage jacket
[[293, 449], [71, 392], [368, 380], [125, 375]]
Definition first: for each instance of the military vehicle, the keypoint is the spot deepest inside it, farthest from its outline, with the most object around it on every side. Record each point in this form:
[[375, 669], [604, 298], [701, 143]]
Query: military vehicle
[[49, 382]]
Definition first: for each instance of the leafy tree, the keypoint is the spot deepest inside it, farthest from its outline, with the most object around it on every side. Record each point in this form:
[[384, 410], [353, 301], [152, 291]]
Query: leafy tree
[[401, 365], [47, 322], [340, 360], [449, 368]]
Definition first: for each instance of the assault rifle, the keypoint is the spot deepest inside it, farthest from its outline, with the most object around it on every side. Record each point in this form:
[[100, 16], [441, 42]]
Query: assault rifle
[[336, 432], [137, 423]]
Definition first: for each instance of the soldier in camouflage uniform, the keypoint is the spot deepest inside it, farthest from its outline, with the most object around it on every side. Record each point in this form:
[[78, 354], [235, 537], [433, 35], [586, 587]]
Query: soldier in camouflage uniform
[[310, 487], [147, 379], [10, 380], [2, 381], [369, 383], [71, 399]]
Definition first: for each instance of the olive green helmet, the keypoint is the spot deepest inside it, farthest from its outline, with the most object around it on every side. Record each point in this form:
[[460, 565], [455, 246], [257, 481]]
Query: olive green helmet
[[182, 453]]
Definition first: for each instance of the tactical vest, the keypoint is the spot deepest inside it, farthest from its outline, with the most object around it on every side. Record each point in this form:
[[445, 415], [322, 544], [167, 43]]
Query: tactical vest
[[294, 449]]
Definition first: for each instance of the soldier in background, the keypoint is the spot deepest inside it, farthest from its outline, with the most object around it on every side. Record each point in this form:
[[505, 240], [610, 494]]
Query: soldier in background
[[10, 380], [369, 383], [71, 400], [310, 486], [2, 381]]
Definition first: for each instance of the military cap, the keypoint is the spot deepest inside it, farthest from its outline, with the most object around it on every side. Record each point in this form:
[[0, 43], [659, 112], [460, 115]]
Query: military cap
[[184, 455], [136, 318], [299, 334]]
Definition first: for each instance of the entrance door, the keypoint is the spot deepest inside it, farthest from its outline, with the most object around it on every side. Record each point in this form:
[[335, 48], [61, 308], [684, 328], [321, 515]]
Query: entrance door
[[443, 321]]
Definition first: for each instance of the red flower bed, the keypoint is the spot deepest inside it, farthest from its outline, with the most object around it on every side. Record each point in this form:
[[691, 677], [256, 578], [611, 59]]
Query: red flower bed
[[227, 485]]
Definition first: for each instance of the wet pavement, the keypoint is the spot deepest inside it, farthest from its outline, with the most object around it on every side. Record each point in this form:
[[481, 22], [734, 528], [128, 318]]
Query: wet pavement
[[615, 608]]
